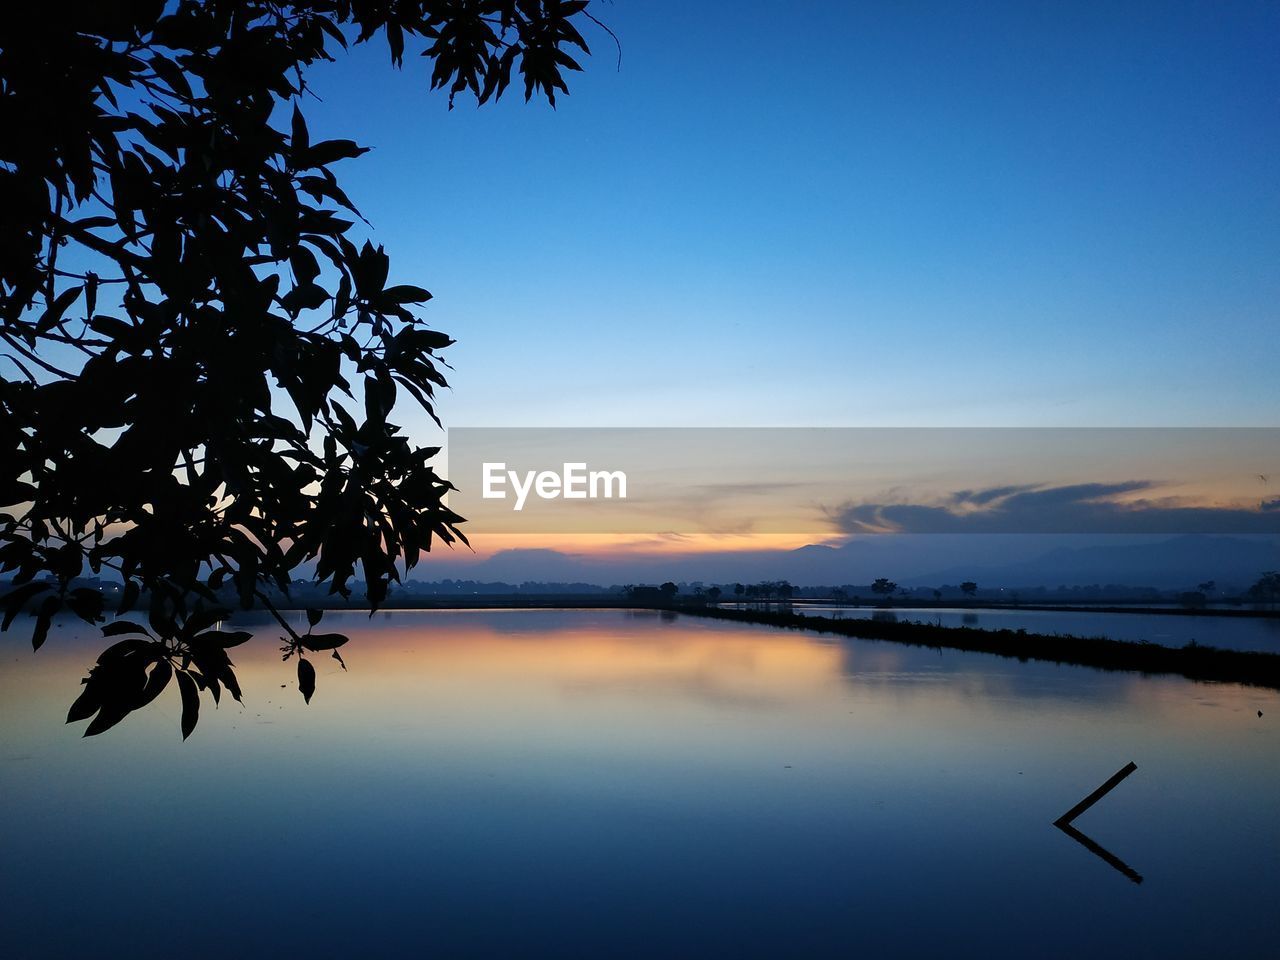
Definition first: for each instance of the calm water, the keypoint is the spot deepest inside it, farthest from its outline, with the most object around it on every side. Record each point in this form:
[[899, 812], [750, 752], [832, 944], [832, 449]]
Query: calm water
[[1229, 633], [607, 784]]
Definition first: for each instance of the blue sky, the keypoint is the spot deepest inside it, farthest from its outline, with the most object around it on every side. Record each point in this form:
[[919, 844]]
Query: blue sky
[[841, 214]]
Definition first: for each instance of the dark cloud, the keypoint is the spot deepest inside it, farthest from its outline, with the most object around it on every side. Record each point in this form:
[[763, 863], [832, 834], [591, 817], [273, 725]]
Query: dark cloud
[[981, 497], [1073, 508]]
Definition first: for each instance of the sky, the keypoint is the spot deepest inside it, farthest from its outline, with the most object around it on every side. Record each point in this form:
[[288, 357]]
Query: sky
[[846, 214]]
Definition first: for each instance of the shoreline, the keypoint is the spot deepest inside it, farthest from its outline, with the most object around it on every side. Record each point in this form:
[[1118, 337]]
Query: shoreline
[[1197, 663]]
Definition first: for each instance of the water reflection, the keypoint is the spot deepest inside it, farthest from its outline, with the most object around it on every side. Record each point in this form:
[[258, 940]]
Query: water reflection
[[586, 783], [1100, 851], [1065, 823]]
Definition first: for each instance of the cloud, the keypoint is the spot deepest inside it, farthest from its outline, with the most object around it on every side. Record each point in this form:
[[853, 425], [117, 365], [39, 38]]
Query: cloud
[[1042, 508]]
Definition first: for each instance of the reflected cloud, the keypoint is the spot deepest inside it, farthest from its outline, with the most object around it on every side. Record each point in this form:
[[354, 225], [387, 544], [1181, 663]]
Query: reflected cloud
[[707, 687]]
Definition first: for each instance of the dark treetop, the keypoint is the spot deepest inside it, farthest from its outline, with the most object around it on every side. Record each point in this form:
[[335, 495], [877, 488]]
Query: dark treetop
[[199, 363]]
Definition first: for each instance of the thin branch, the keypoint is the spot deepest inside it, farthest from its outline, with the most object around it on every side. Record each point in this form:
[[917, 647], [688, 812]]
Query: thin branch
[[616, 42], [36, 360]]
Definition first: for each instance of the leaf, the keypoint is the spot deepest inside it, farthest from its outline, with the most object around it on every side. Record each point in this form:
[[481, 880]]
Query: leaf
[[190, 702], [86, 604], [129, 596], [125, 648], [306, 678], [108, 717], [92, 223], [87, 704], [90, 294], [173, 75], [15, 600], [158, 679], [314, 615], [301, 141], [53, 315], [203, 620], [44, 618], [118, 627], [328, 151], [405, 293], [304, 264], [323, 641]]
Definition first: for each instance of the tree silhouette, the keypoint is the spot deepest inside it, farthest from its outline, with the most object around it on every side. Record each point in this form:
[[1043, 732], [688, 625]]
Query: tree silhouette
[[1266, 589], [968, 588], [884, 586], [200, 361]]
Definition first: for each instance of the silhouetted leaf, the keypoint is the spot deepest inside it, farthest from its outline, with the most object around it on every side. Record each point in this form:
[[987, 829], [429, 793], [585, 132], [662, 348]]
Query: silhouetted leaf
[[86, 604], [404, 293], [124, 648], [50, 318], [157, 680], [85, 705], [15, 600], [129, 596], [171, 74], [323, 641], [306, 678], [330, 150], [190, 702], [108, 716], [48, 607], [300, 140], [313, 616], [202, 620], [119, 627]]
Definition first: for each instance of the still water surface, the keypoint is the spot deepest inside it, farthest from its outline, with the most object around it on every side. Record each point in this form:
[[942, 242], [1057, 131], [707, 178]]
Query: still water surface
[[616, 784]]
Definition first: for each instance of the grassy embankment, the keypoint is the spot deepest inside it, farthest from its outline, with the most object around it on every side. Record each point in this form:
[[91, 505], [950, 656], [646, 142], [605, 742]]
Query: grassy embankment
[[1192, 661]]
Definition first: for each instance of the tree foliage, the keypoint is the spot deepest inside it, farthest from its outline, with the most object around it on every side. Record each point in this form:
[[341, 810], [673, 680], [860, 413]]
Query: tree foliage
[[1266, 589], [200, 358]]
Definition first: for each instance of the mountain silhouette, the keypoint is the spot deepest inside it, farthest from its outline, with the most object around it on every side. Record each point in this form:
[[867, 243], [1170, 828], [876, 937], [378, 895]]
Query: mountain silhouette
[[911, 560]]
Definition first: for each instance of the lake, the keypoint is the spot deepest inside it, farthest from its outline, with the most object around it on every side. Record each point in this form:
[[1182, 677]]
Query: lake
[[611, 783]]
